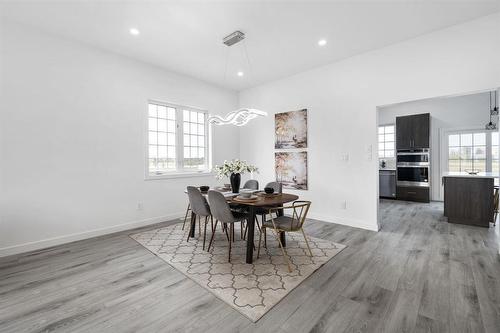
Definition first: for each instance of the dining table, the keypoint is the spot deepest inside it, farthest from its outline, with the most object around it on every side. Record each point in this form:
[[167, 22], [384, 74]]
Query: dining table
[[262, 201]]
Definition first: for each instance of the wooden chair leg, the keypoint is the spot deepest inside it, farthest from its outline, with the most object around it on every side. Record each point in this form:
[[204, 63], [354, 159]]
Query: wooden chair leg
[[186, 216], [307, 243], [265, 237], [212, 222], [199, 226], [260, 238], [205, 232], [213, 234], [224, 226], [241, 229], [231, 235], [257, 222], [277, 234], [191, 227], [245, 233]]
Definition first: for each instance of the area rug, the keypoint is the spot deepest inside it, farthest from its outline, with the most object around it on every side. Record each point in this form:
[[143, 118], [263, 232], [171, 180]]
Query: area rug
[[251, 289]]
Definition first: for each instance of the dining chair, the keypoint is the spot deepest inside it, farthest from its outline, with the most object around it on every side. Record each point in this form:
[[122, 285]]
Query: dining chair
[[200, 208], [277, 186], [251, 184], [223, 214], [293, 223]]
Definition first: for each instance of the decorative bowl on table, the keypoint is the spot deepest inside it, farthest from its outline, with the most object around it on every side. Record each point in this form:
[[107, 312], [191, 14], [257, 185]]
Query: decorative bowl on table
[[245, 193], [204, 188], [472, 171], [244, 199], [269, 190]]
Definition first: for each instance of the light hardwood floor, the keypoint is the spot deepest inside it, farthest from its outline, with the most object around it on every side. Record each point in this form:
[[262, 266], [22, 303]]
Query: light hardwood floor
[[418, 274]]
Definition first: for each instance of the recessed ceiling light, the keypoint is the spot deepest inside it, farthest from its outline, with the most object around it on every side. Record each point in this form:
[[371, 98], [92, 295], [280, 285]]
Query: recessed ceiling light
[[134, 31], [240, 73], [322, 42]]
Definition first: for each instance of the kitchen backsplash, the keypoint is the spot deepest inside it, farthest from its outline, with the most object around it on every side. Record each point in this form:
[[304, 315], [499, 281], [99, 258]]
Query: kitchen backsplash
[[390, 163]]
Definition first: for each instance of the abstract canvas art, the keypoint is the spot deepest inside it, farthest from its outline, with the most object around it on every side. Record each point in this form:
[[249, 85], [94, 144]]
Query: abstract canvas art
[[291, 129], [291, 169]]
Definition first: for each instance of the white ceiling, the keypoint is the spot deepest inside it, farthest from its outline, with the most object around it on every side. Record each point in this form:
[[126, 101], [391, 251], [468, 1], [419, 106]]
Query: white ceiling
[[281, 36]]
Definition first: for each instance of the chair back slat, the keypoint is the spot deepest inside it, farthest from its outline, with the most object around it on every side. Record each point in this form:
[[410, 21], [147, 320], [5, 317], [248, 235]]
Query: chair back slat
[[300, 210]]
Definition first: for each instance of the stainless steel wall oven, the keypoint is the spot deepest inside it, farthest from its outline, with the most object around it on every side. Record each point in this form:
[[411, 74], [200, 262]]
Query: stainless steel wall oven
[[413, 167]]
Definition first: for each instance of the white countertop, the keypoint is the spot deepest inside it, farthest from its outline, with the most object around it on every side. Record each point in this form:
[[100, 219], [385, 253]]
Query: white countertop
[[467, 175]]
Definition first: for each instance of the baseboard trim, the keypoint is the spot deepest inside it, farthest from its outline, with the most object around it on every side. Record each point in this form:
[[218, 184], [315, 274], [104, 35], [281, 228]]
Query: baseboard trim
[[45, 243], [49, 242], [345, 221]]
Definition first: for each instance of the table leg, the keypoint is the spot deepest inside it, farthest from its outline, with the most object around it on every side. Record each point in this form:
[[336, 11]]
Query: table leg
[[282, 234], [250, 226], [193, 224]]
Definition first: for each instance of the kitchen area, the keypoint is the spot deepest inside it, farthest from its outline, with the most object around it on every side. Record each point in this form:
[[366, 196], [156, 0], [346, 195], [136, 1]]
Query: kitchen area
[[407, 176], [442, 150]]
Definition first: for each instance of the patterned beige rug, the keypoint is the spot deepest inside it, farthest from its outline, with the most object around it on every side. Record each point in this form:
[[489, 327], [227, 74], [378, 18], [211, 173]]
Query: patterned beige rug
[[251, 289]]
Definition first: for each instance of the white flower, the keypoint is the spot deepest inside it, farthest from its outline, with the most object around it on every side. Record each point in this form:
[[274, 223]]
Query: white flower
[[233, 166]]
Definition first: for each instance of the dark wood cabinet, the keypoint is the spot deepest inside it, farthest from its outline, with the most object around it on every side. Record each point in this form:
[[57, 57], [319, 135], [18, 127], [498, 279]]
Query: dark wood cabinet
[[403, 132], [421, 130], [413, 132], [468, 200], [412, 193]]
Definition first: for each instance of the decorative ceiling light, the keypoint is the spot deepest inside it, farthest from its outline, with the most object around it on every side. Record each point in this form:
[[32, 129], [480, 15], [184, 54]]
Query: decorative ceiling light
[[241, 116], [493, 112]]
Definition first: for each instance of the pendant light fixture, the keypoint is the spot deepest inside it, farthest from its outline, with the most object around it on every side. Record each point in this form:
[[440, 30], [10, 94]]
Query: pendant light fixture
[[493, 112], [241, 116]]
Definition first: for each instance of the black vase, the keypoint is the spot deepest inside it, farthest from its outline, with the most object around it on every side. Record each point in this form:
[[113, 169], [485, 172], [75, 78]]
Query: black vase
[[235, 179]]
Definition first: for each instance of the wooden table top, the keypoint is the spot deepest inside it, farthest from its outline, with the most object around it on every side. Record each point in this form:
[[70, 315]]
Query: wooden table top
[[275, 200], [267, 201]]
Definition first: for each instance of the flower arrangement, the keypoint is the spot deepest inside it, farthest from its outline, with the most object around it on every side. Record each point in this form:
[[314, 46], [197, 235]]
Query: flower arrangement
[[234, 166]]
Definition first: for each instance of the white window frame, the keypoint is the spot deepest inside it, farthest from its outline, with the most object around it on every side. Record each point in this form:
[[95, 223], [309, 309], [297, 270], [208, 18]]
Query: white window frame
[[180, 171], [378, 143], [443, 152]]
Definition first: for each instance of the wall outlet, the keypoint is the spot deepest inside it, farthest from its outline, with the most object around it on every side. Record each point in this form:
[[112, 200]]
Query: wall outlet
[[343, 205], [140, 206]]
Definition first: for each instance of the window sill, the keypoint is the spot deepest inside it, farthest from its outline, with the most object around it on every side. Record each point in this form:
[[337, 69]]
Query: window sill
[[174, 175]]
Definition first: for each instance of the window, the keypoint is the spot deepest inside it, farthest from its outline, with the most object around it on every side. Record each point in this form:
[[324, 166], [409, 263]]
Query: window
[[194, 139], [386, 141], [468, 150], [177, 139], [494, 152]]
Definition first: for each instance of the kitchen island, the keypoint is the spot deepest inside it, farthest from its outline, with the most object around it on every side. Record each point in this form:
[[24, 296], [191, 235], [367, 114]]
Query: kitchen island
[[469, 199]]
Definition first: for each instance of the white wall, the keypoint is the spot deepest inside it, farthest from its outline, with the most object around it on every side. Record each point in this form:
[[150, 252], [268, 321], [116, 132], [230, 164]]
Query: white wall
[[459, 112], [72, 144], [71, 135], [342, 100]]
